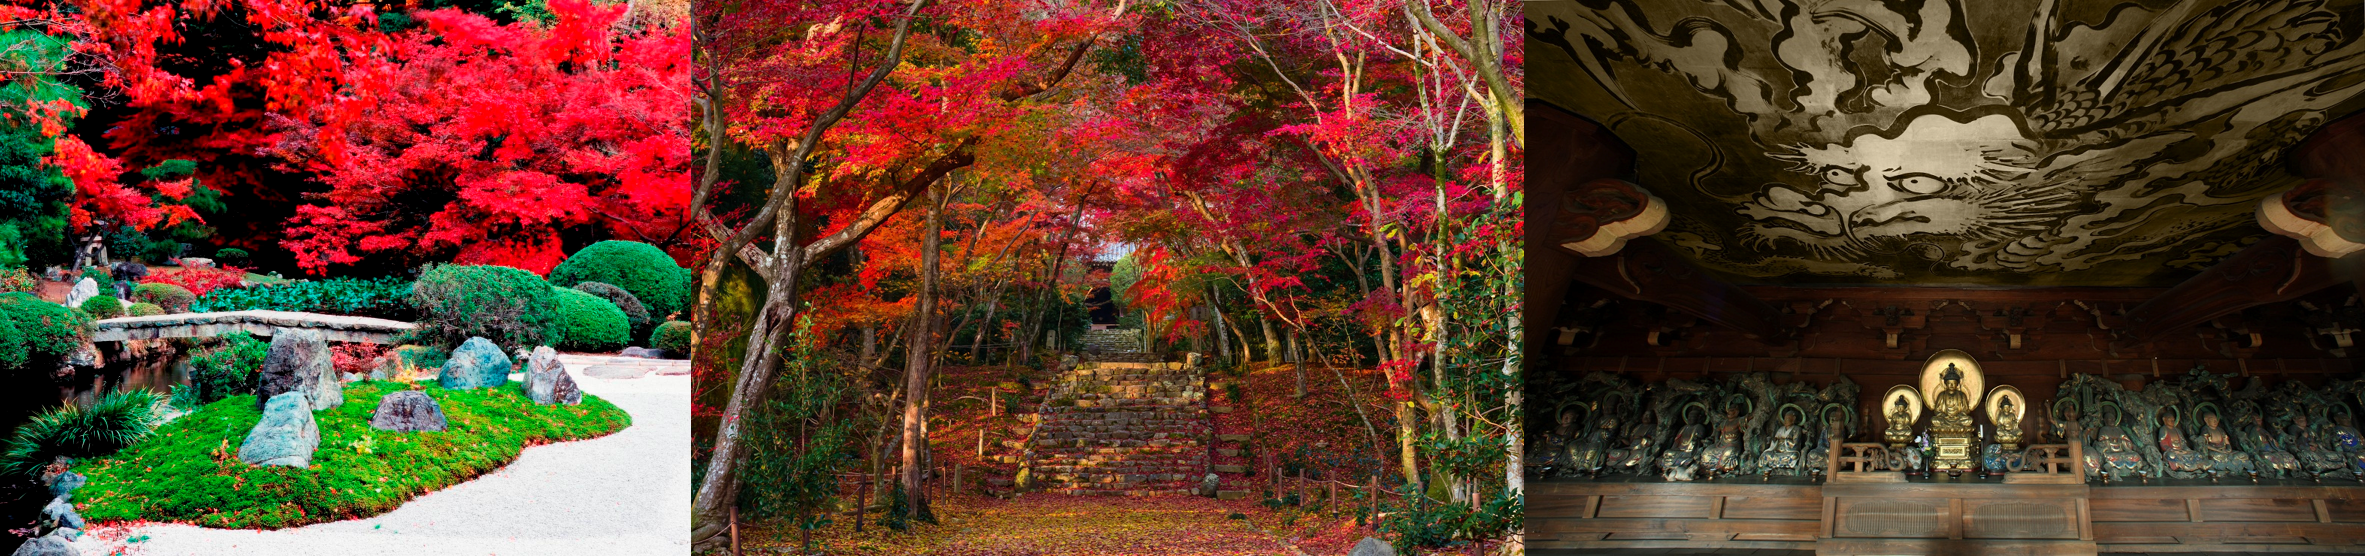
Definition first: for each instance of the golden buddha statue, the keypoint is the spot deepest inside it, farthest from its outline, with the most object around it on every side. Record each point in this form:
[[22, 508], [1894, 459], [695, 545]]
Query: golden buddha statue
[[1952, 432]]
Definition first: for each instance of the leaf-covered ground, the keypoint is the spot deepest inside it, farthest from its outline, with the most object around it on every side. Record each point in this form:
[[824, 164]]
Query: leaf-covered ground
[[1047, 524], [189, 470], [1321, 435]]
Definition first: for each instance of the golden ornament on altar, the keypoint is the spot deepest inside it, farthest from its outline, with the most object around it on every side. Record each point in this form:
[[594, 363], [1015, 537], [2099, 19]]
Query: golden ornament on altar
[[1951, 380]]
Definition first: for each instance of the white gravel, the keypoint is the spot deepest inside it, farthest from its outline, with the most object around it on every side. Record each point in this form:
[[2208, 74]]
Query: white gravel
[[627, 493]]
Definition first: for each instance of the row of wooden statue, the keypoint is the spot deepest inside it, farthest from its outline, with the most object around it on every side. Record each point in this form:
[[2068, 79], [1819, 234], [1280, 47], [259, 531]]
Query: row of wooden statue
[[2193, 426]]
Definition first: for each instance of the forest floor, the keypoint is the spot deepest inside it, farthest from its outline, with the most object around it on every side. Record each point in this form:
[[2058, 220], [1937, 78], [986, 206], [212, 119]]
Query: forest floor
[[608, 495], [1320, 434]]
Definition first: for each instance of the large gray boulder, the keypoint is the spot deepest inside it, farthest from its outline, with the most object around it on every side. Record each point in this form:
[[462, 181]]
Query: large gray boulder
[[547, 381], [286, 435], [407, 411], [53, 544], [84, 289], [299, 360], [1372, 547], [477, 363]]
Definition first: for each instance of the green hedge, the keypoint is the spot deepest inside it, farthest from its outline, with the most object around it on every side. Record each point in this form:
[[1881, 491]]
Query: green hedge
[[634, 312], [38, 333], [511, 307], [102, 307], [164, 295], [180, 473], [385, 298], [144, 310], [588, 323], [640, 268], [673, 337]]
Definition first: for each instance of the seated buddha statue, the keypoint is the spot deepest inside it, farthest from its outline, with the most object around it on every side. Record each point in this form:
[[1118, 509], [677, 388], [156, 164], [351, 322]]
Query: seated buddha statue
[[2182, 462], [2117, 455], [2272, 458], [1724, 456], [2218, 448], [2316, 452], [1781, 455]]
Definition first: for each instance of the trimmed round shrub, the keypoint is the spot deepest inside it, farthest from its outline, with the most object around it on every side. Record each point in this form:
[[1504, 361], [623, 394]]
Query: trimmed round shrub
[[103, 307], [144, 310], [673, 337], [230, 255], [643, 269], [228, 368], [168, 296], [588, 323], [511, 307], [634, 312], [43, 332]]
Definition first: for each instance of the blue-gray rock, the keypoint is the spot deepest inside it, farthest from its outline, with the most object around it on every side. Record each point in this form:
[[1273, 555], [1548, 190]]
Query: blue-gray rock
[[477, 363], [547, 381], [643, 353], [49, 545], [1372, 547], [286, 435], [299, 360], [62, 485], [407, 411], [60, 513]]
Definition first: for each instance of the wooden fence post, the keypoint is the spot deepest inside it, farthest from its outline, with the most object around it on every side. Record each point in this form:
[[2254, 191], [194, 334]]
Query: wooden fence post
[[993, 404], [981, 444]]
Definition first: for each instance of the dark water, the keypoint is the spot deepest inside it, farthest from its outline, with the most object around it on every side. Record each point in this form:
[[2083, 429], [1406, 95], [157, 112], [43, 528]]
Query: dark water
[[145, 364]]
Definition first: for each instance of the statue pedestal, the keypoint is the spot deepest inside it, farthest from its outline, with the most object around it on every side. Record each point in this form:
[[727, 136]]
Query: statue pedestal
[[1954, 453]]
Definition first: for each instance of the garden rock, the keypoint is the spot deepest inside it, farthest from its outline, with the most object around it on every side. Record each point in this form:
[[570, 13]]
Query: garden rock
[[195, 262], [127, 274], [84, 289], [52, 545], [60, 513], [300, 361], [407, 411], [1372, 547], [54, 274], [547, 381], [1207, 485], [62, 485], [643, 353], [286, 435], [477, 363]]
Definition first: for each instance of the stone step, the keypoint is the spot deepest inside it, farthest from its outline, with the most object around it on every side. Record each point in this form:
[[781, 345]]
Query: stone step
[[1231, 495], [1231, 469], [1228, 452], [1231, 438]]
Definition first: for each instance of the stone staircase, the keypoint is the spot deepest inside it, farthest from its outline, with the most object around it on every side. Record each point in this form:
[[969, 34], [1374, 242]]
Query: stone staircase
[[1118, 342], [1121, 428]]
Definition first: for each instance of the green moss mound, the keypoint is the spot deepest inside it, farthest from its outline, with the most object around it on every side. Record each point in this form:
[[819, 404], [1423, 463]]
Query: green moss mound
[[38, 333], [673, 337], [588, 323], [188, 470], [634, 312], [640, 268], [144, 310], [511, 307], [164, 295], [103, 307]]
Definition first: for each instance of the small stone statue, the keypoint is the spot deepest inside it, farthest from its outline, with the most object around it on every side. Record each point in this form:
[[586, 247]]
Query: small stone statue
[[2183, 462], [2219, 448], [1781, 455], [1724, 456], [1681, 459]]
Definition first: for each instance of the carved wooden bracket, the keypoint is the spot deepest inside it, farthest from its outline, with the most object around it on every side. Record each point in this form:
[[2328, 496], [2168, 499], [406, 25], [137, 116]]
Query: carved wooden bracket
[[1647, 271], [2273, 270], [2334, 328], [1597, 217], [2014, 323], [2326, 216], [1893, 322]]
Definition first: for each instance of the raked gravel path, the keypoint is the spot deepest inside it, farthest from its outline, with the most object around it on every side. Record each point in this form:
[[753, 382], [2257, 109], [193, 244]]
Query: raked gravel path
[[627, 493]]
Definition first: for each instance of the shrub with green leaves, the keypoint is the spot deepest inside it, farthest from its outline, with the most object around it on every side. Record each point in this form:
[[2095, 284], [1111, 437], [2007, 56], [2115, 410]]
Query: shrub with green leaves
[[634, 312], [640, 268], [230, 255], [385, 298], [38, 333], [102, 307], [117, 421], [96, 274], [176, 475], [169, 296], [588, 323], [144, 310], [673, 337], [227, 368], [511, 307]]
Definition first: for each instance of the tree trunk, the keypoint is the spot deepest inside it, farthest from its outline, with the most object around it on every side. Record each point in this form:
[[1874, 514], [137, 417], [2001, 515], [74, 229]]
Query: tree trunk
[[1223, 344], [1297, 358], [870, 341], [1407, 426], [917, 362], [1272, 342], [978, 342], [769, 330]]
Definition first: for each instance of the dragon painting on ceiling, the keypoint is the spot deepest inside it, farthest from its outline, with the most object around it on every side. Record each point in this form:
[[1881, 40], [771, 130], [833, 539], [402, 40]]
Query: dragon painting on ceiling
[[1999, 142]]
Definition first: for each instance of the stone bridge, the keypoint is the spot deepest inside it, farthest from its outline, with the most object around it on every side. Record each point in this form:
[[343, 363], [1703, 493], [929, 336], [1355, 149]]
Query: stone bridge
[[334, 328]]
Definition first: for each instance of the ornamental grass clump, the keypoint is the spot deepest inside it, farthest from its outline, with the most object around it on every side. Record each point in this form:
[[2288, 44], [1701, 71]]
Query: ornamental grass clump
[[590, 324], [511, 307], [640, 268], [119, 420]]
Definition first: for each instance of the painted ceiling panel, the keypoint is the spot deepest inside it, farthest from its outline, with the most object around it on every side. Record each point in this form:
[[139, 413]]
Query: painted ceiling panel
[[1954, 142]]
